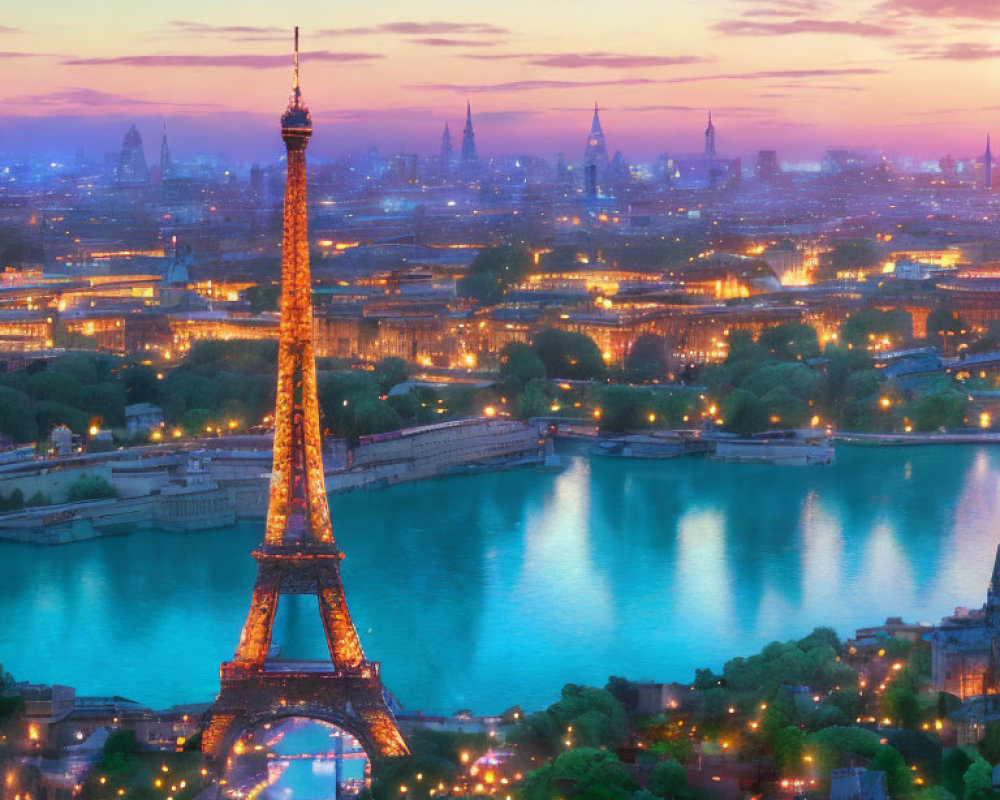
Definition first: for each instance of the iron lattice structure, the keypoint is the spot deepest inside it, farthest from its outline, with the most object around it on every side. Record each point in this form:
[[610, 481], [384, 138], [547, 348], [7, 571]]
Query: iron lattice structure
[[299, 554]]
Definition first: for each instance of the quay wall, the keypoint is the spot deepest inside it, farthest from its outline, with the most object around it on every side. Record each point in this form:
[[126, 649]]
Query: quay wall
[[211, 487]]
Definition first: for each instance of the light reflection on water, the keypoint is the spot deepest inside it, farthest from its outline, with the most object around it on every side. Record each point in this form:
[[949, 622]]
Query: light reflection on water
[[485, 591]]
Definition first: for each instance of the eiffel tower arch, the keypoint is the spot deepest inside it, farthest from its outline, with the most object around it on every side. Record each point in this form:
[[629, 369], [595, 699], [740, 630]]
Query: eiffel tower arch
[[299, 554]]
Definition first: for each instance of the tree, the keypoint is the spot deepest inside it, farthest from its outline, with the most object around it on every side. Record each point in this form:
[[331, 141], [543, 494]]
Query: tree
[[623, 408], [121, 741], [49, 414], [391, 371], [869, 325], [668, 779], [742, 347], [943, 410], [82, 367], [568, 355], [89, 487], [978, 780], [989, 747], [493, 271], [943, 321], [647, 359], [536, 401], [898, 778], [519, 362], [953, 767], [17, 417], [784, 409], [141, 384], [743, 412], [57, 387], [106, 400], [196, 420], [791, 341], [587, 773]]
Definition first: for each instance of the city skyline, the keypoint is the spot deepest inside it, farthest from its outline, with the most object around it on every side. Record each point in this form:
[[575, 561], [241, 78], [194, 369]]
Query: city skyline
[[907, 77]]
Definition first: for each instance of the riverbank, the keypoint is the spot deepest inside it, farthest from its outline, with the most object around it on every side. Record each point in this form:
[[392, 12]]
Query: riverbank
[[218, 482]]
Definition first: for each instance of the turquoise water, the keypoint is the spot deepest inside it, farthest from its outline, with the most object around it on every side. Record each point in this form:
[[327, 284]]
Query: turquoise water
[[484, 591]]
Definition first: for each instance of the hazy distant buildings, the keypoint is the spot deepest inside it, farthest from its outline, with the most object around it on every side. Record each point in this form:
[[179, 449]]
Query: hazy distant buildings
[[706, 170], [767, 165]]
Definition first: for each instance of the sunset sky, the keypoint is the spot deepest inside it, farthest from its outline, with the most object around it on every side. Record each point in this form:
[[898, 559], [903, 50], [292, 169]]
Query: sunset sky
[[917, 77]]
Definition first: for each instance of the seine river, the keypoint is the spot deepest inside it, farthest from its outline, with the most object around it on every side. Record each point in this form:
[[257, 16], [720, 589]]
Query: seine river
[[484, 591]]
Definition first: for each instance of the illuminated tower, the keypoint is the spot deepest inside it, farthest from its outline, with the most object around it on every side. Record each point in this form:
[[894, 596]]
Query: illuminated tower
[[447, 151], [299, 554], [595, 156], [710, 138], [469, 157], [988, 166]]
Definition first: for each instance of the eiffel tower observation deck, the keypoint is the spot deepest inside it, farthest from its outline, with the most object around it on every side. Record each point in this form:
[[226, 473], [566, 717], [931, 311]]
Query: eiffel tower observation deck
[[299, 554]]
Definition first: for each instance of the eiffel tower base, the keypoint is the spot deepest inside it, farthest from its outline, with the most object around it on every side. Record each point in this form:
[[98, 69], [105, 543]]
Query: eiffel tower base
[[255, 696]]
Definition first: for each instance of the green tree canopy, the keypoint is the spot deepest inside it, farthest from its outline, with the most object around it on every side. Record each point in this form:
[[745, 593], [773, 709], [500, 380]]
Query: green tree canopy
[[519, 362], [791, 341], [89, 487], [869, 325], [568, 355], [668, 779], [743, 412], [647, 360]]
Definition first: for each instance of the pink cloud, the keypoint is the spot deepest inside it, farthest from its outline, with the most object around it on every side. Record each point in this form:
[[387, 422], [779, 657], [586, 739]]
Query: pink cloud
[[974, 9], [956, 51], [440, 41], [201, 60], [593, 59], [534, 85], [748, 27]]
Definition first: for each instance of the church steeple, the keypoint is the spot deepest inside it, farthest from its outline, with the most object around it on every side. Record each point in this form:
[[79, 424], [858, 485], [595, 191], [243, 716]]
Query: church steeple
[[710, 138], [469, 157], [595, 126]]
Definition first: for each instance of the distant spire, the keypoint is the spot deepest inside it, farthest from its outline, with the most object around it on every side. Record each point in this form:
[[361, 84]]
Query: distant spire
[[469, 157], [595, 126], [710, 138], [988, 165], [166, 164]]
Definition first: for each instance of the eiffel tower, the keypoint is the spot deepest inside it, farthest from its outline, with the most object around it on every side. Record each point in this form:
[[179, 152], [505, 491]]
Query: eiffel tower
[[299, 554]]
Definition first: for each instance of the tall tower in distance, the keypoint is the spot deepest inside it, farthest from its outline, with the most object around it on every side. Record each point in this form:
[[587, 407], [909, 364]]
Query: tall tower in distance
[[299, 554], [988, 166], [166, 164], [710, 138], [469, 157], [132, 166], [447, 151], [595, 156]]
